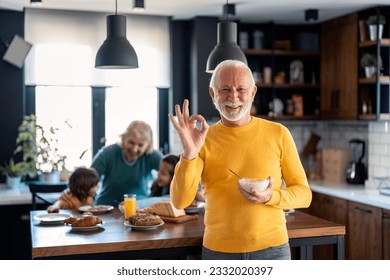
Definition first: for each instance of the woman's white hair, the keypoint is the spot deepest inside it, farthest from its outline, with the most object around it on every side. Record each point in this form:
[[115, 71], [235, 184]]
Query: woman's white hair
[[140, 129], [227, 64]]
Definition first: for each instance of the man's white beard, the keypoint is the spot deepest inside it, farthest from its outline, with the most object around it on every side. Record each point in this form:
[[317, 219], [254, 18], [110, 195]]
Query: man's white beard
[[232, 116]]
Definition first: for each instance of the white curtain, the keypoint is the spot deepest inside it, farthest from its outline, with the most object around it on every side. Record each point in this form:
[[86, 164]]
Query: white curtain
[[65, 45]]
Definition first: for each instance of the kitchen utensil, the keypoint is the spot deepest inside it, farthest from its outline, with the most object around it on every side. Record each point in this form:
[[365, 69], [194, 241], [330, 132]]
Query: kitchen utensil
[[235, 173], [356, 171]]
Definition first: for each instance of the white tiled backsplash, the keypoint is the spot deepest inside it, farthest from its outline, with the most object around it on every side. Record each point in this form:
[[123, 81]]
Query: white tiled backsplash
[[379, 149], [336, 134]]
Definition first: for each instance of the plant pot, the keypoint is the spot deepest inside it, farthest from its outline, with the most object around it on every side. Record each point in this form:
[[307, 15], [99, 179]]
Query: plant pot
[[370, 71], [372, 30], [50, 178], [13, 182]]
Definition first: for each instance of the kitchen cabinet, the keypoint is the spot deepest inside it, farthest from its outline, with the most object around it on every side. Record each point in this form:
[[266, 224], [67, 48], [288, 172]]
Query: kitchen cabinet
[[332, 209], [368, 227], [339, 66], [16, 232], [364, 232], [374, 87], [286, 67], [386, 234]]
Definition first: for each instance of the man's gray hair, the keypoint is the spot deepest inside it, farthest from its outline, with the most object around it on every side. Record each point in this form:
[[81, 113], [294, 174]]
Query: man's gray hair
[[226, 64]]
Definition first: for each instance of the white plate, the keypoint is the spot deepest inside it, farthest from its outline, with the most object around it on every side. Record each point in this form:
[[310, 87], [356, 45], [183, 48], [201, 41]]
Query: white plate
[[96, 208], [51, 218], [288, 211], [195, 209], [96, 227], [126, 223]]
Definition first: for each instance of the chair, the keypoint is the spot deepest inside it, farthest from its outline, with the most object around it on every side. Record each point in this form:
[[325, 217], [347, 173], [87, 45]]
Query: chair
[[37, 188]]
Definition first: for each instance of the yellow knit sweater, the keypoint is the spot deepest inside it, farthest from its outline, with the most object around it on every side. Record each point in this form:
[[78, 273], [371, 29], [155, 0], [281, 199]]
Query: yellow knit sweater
[[259, 149]]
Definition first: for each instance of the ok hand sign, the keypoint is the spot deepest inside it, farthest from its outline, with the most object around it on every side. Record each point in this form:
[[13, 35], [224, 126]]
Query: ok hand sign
[[191, 137]]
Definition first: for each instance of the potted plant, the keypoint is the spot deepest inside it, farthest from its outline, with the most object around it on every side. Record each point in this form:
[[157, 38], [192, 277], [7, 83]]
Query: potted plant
[[40, 149], [374, 22], [368, 63], [14, 172]]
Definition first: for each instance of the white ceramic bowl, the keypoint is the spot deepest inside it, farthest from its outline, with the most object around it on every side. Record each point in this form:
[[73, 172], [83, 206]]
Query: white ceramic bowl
[[257, 184]]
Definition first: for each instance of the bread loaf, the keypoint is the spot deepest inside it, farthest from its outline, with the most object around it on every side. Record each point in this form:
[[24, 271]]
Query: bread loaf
[[165, 208]]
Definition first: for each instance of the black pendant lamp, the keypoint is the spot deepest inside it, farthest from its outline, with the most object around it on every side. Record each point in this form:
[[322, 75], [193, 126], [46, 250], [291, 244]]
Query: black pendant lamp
[[116, 52], [226, 47]]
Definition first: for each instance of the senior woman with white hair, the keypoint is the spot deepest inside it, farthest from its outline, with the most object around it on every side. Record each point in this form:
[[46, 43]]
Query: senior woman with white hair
[[126, 167]]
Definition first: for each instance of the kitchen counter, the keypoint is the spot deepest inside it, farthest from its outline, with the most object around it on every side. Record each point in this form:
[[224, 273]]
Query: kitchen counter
[[16, 196], [20, 195], [356, 193]]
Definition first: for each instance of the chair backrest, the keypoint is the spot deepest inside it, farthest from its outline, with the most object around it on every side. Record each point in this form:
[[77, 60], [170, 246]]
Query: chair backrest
[[37, 188]]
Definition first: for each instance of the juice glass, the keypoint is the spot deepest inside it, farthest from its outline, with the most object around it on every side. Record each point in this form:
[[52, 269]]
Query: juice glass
[[129, 204]]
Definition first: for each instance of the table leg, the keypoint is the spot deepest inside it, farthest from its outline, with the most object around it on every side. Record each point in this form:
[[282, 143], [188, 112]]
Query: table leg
[[339, 248]]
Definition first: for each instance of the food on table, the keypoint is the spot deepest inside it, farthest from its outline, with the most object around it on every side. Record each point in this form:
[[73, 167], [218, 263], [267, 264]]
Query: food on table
[[86, 220], [257, 184], [194, 204], [70, 220], [165, 208], [145, 219]]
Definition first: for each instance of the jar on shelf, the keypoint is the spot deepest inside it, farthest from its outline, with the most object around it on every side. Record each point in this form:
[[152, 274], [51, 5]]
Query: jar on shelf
[[298, 104], [244, 40], [258, 39]]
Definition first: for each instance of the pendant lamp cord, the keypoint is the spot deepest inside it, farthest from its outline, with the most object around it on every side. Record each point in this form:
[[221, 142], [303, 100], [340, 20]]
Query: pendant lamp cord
[[116, 7], [227, 12]]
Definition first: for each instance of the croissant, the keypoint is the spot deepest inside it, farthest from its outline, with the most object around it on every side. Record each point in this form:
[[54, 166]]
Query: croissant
[[70, 220], [85, 221]]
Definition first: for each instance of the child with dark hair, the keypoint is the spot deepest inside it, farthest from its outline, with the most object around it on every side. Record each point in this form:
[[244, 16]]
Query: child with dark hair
[[165, 173], [82, 188]]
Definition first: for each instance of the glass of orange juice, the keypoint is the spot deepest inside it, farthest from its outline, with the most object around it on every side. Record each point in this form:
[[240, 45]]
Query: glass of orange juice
[[129, 204]]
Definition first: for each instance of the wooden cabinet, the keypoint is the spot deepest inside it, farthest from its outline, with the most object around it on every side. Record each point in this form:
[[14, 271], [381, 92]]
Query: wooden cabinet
[[286, 69], [332, 209], [364, 232], [374, 51], [339, 68], [368, 227], [386, 234]]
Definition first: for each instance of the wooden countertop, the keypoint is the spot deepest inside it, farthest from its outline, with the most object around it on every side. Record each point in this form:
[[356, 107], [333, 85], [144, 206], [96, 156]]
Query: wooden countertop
[[59, 240]]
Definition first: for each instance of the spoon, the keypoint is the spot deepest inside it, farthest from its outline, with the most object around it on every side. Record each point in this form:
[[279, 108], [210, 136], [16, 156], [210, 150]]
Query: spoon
[[235, 173]]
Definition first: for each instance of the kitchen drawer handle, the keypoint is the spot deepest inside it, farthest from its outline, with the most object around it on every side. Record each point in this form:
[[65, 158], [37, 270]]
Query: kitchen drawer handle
[[363, 210], [329, 201]]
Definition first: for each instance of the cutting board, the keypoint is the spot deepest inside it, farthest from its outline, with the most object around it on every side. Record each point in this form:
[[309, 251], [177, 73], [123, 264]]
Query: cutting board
[[180, 219]]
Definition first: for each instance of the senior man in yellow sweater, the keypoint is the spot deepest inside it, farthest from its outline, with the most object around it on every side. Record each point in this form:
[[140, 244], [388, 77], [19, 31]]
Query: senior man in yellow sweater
[[238, 224]]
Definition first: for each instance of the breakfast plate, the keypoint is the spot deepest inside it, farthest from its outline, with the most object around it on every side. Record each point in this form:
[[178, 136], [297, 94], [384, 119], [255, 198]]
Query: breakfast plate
[[91, 228], [51, 218], [195, 209], [127, 224], [96, 209]]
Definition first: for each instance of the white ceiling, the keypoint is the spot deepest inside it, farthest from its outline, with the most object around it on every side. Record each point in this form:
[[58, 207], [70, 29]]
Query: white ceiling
[[279, 11]]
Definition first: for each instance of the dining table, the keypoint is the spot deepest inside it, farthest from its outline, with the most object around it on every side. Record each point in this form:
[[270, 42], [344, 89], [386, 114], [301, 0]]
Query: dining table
[[114, 240]]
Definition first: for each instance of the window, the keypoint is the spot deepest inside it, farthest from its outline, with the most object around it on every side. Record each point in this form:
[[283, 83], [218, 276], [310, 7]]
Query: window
[[68, 108]]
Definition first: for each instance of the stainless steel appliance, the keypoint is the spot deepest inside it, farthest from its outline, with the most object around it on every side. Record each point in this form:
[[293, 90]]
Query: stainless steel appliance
[[356, 171]]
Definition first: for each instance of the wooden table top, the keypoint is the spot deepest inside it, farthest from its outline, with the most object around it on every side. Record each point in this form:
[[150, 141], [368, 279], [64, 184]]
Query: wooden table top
[[60, 240]]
